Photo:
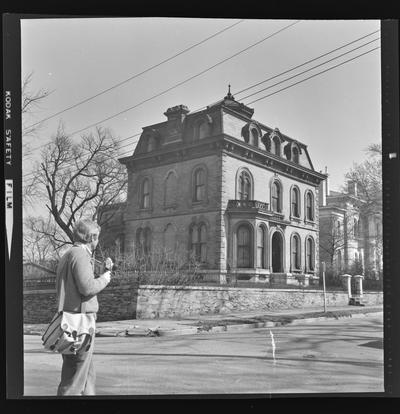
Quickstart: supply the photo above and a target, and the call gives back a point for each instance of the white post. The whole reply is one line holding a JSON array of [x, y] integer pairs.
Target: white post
[[323, 282], [359, 288], [346, 280]]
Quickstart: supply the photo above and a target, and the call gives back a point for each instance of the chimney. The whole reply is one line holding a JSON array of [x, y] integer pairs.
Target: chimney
[[352, 187], [177, 112], [327, 190], [323, 189]]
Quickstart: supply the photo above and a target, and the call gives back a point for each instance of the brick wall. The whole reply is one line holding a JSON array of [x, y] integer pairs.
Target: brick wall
[[39, 306]]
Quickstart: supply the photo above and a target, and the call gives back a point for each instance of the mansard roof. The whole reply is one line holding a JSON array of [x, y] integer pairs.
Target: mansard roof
[[178, 132]]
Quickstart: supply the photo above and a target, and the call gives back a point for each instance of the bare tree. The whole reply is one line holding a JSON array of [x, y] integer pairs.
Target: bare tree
[[42, 242], [331, 240], [368, 176], [78, 179], [31, 101]]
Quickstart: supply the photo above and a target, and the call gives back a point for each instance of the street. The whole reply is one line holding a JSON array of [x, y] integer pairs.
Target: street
[[344, 355]]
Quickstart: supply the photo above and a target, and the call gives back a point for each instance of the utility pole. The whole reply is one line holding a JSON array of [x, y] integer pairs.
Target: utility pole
[[323, 282]]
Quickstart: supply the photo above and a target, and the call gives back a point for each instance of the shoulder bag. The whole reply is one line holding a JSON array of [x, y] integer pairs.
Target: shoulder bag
[[69, 333]]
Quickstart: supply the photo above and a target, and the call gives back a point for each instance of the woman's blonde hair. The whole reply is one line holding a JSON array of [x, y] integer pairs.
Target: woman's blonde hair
[[84, 230]]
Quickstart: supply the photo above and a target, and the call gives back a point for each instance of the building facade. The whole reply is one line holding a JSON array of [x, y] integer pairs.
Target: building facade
[[219, 186], [350, 238]]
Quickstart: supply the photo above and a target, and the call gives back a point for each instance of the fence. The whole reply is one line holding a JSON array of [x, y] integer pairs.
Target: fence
[[373, 285], [202, 279]]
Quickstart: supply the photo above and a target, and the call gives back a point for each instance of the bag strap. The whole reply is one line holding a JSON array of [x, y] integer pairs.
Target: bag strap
[[61, 298]]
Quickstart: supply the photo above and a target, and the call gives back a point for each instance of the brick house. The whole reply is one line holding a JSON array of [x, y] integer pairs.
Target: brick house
[[239, 196]]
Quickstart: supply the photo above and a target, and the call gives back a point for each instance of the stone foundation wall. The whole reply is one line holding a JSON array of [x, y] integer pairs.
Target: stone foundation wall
[[118, 301], [175, 302], [124, 299]]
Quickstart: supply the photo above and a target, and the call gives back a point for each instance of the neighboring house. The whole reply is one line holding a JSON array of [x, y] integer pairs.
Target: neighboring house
[[34, 271], [350, 240], [217, 185]]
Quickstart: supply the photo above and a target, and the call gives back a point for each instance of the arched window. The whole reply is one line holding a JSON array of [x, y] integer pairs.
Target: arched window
[[170, 189], [295, 155], [145, 194], [147, 241], [244, 186], [143, 242], [276, 197], [139, 242], [277, 244], [295, 252], [276, 146], [199, 185], [243, 246], [261, 247], [198, 242], [310, 254], [169, 241], [309, 206], [119, 245], [254, 137], [295, 202]]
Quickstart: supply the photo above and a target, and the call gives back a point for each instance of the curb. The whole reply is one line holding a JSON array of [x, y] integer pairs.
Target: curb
[[237, 327], [157, 332]]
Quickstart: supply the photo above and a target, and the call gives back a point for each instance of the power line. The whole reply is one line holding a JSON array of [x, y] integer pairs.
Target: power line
[[179, 83], [68, 160], [136, 75], [313, 76], [308, 70], [294, 84], [306, 63]]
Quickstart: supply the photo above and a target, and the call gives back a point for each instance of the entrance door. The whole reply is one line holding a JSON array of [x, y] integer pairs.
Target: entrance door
[[277, 252]]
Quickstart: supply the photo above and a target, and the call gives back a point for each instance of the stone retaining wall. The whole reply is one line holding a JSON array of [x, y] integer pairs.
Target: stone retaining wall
[[117, 302], [178, 301], [124, 299]]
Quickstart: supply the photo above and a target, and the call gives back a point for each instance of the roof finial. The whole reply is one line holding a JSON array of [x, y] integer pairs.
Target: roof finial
[[229, 95]]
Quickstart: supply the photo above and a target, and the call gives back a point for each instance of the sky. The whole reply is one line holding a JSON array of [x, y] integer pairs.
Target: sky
[[337, 114]]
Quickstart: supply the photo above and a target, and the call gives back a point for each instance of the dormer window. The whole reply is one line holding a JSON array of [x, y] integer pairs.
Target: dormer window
[[276, 146], [151, 144], [295, 155], [254, 137], [203, 130]]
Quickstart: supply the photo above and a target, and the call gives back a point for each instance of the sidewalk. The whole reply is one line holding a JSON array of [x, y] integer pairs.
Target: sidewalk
[[219, 323]]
